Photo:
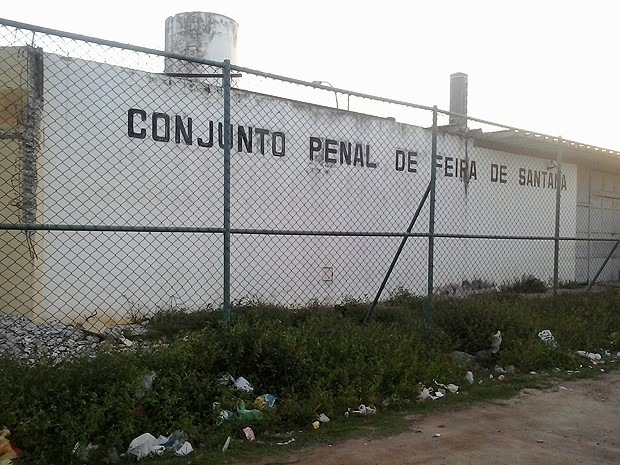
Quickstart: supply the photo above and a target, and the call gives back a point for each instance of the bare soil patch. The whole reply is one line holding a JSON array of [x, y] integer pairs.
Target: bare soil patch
[[570, 423]]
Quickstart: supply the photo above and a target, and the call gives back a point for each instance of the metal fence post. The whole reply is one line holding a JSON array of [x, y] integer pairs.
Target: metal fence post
[[226, 89], [558, 190], [431, 223]]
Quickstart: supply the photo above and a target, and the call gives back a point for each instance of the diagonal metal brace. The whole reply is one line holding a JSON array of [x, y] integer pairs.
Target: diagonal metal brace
[[397, 255], [600, 270]]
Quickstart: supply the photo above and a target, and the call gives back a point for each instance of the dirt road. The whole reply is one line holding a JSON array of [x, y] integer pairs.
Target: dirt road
[[571, 423]]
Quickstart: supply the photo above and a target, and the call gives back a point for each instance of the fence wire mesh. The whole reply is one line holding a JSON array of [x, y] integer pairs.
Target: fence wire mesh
[[114, 189]]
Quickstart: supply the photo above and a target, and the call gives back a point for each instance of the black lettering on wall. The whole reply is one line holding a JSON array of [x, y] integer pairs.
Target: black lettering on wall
[[330, 149], [345, 153], [181, 131], [209, 142], [244, 139], [400, 160], [220, 135], [316, 146], [155, 129], [472, 170], [463, 168], [530, 178], [503, 173], [448, 167], [412, 162], [369, 164], [261, 133], [359, 155], [278, 144], [522, 176], [499, 173], [131, 132]]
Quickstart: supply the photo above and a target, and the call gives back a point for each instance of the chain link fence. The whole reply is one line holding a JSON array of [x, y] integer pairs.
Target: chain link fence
[[135, 180]]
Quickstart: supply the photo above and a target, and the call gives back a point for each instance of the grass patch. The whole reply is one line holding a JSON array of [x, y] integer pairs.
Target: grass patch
[[527, 285], [315, 359]]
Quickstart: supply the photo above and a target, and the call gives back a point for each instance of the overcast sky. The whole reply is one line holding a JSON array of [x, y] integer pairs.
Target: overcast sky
[[548, 66]]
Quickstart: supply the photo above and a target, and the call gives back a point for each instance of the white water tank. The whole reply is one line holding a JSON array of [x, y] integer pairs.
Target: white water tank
[[207, 36]]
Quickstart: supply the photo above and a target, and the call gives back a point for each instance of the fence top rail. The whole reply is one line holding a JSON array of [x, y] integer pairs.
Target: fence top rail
[[472, 133]]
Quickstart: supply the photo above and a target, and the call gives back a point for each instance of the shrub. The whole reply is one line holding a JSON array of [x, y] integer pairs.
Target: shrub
[[309, 357], [528, 285]]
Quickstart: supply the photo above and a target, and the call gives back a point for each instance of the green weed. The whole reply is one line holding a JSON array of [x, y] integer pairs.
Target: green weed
[[315, 360]]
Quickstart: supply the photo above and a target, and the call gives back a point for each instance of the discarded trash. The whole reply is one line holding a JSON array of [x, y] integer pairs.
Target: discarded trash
[[147, 384], [501, 378], [226, 444], [593, 357], [430, 393], [563, 388], [226, 415], [243, 384], [316, 424], [324, 418], [248, 415], [496, 341], [285, 442], [185, 449], [175, 441], [424, 394], [362, 411], [427, 393], [437, 435], [469, 376], [126, 342], [221, 413], [146, 444], [546, 336], [539, 441], [147, 381], [499, 370], [265, 401], [249, 434], [533, 373], [453, 388]]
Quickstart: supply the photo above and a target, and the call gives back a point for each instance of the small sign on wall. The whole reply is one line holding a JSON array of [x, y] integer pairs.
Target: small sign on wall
[[327, 274]]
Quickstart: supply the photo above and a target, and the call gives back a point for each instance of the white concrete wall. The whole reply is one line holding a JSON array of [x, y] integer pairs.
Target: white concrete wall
[[96, 173]]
